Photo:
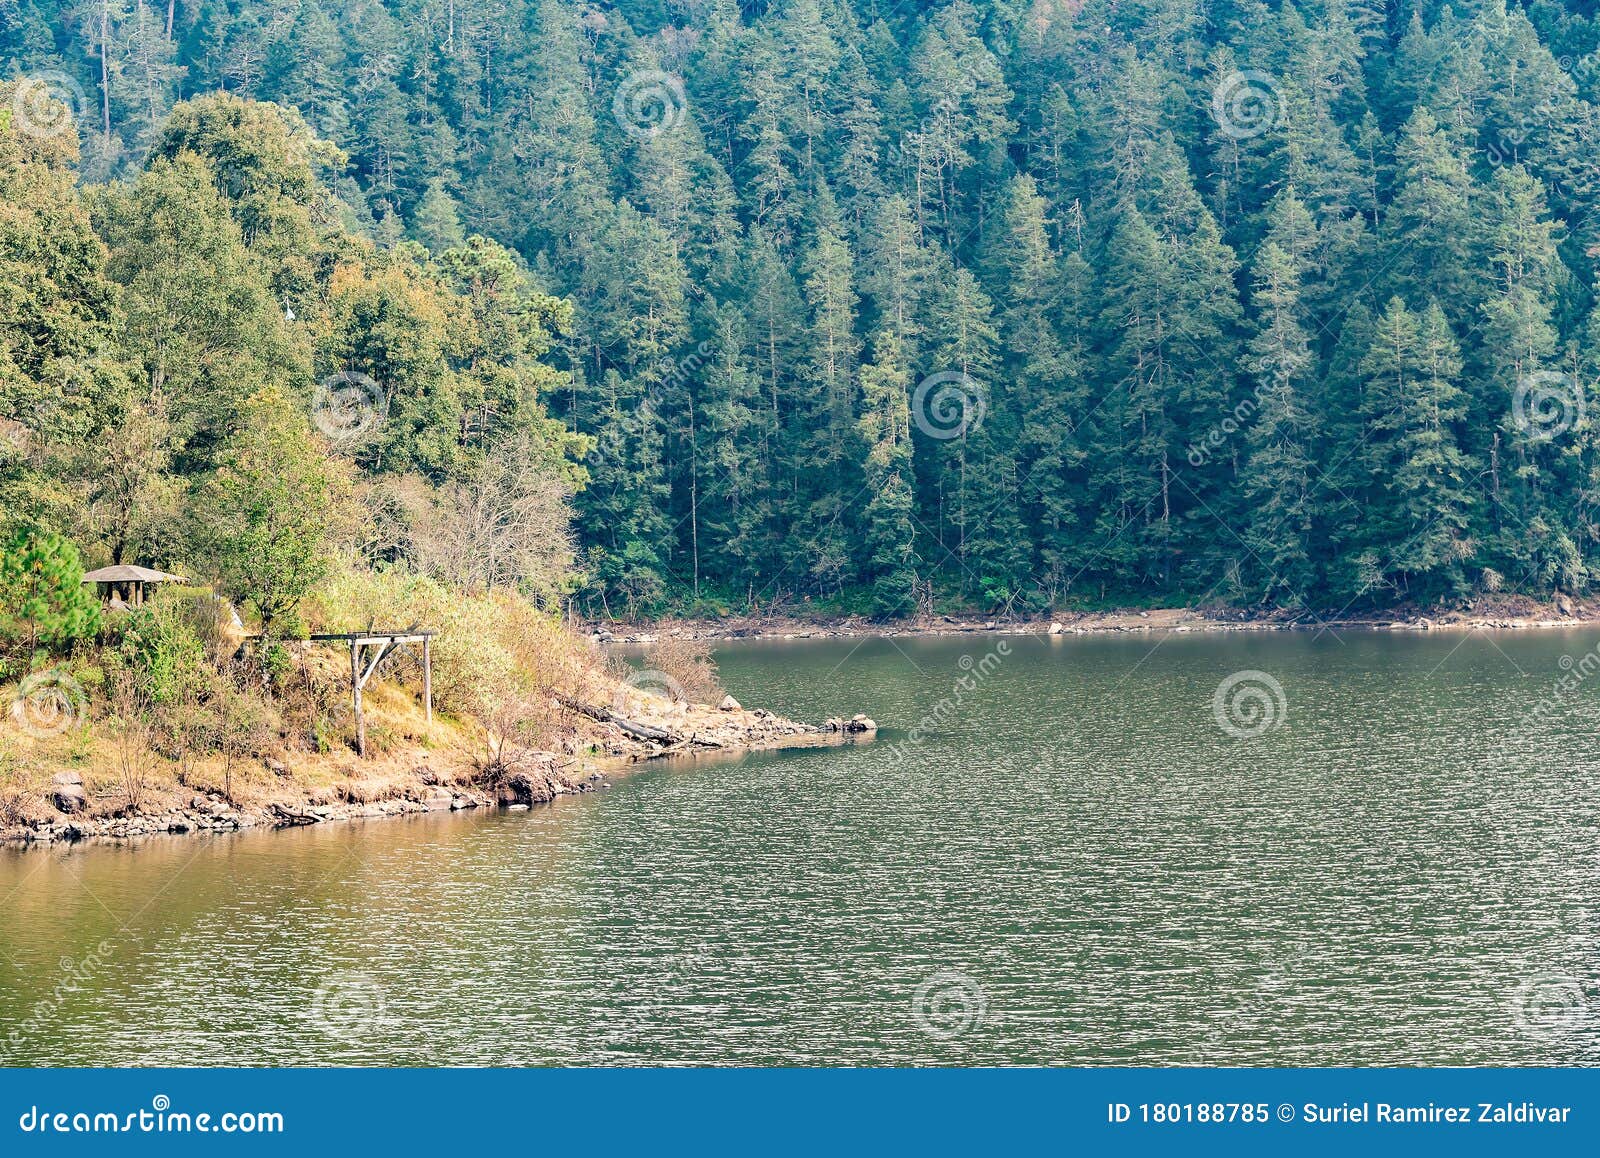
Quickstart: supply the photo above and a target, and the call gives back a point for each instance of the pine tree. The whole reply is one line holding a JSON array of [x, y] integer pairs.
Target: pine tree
[[1280, 481], [1417, 526], [890, 533]]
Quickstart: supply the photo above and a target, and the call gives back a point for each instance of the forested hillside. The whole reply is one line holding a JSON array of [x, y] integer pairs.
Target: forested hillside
[[879, 305]]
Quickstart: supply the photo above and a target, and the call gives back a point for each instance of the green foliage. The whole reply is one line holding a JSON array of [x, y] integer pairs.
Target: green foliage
[[161, 645], [1194, 380], [266, 514], [44, 605]]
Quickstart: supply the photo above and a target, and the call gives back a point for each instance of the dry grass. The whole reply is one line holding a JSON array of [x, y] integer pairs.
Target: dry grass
[[689, 663]]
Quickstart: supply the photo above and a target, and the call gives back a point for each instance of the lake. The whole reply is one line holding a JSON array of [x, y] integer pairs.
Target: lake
[[1239, 849]]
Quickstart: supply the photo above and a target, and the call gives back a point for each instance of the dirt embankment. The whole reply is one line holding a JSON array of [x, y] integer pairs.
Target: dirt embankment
[[93, 796]]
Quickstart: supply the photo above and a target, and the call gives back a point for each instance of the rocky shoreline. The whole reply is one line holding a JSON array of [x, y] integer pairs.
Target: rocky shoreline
[[65, 814], [1503, 615]]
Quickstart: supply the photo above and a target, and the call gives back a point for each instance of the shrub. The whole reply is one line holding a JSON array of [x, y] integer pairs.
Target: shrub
[[689, 662]]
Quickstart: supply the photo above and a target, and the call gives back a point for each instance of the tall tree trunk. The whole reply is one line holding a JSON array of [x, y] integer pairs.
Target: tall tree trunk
[[105, 70]]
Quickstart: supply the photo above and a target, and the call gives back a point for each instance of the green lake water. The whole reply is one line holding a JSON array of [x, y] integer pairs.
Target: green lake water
[[1078, 857]]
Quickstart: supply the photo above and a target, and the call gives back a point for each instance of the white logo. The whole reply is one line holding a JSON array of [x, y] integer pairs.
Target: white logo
[[47, 104], [1548, 1004], [949, 1004], [947, 405], [1249, 703], [1547, 404], [649, 103], [1246, 103], [47, 703], [348, 405], [346, 1005]]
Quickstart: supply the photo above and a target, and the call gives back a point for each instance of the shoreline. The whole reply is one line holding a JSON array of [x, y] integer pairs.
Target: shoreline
[[1508, 615], [689, 732]]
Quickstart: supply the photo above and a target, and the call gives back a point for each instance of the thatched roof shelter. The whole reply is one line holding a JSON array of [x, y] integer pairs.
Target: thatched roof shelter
[[123, 585]]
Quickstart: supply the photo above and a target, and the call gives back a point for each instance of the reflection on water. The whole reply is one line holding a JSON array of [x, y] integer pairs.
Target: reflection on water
[[1068, 860]]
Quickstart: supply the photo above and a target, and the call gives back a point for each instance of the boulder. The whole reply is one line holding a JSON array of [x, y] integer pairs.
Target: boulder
[[437, 800], [728, 704], [1056, 629], [67, 793], [1564, 605], [855, 725]]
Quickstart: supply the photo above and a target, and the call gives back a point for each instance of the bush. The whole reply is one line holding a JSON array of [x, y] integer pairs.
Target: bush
[[689, 662]]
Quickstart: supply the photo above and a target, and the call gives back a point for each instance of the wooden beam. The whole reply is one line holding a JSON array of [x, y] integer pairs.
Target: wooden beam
[[427, 677], [355, 692]]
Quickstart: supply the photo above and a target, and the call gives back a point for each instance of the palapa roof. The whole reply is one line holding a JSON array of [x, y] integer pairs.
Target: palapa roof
[[125, 573]]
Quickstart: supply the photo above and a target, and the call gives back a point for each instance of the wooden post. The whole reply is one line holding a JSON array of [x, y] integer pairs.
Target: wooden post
[[355, 692], [427, 675]]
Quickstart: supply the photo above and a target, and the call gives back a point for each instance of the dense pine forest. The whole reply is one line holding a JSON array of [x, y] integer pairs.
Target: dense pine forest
[[868, 306]]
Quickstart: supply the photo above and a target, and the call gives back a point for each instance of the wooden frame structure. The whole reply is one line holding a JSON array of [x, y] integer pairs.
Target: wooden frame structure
[[363, 665]]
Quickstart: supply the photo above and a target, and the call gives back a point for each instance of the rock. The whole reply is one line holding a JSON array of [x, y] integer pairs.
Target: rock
[[67, 793], [856, 725], [437, 800], [1056, 629], [728, 704], [277, 767], [1564, 605]]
